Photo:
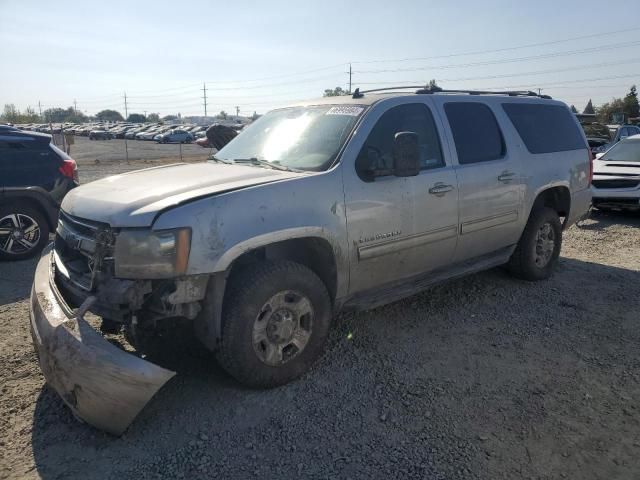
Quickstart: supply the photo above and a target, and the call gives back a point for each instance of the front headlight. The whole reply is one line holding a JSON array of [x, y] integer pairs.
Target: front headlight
[[145, 254]]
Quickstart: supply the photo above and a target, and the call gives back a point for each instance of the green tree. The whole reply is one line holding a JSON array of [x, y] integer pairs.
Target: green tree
[[336, 92], [223, 114], [57, 114], [153, 117], [109, 116], [630, 107], [604, 113], [10, 113], [432, 85], [169, 118], [589, 109], [136, 118], [574, 109]]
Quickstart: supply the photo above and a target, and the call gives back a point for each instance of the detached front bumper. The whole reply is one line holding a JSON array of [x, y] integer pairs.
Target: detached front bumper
[[102, 384]]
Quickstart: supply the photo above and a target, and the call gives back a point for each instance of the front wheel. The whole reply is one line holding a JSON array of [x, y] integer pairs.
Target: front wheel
[[538, 250], [276, 318]]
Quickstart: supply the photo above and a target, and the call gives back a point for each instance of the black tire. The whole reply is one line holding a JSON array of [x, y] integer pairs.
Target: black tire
[[527, 262], [249, 292], [39, 243]]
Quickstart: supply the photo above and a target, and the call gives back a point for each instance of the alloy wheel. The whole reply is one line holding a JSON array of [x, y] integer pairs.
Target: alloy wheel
[[19, 233], [545, 245]]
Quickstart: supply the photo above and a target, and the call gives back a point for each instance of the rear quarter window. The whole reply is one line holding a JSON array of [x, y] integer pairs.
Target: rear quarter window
[[545, 128]]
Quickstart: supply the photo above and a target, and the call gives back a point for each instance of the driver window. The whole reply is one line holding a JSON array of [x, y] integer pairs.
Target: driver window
[[376, 158]]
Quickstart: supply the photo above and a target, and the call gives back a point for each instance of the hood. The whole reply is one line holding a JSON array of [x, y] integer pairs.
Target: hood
[[133, 199], [616, 167]]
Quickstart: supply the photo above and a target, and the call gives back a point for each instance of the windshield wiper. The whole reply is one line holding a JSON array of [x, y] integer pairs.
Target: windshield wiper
[[219, 160], [263, 163]]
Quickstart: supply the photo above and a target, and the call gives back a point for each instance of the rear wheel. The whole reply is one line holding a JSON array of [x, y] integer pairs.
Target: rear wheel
[[276, 320], [23, 232], [538, 250]]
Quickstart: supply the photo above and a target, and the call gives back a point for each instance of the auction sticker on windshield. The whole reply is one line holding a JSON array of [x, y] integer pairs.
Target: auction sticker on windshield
[[350, 110]]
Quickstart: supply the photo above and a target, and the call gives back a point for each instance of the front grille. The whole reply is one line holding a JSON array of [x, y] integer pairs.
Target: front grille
[[619, 183], [81, 246]]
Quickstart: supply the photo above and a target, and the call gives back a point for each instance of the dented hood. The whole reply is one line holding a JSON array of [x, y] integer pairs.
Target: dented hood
[[133, 199]]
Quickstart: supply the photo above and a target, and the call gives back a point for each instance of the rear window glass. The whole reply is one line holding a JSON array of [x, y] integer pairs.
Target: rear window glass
[[545, 128], [475, 132]]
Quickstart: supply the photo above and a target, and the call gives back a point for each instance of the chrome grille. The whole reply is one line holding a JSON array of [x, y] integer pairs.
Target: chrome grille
[[79, 246]]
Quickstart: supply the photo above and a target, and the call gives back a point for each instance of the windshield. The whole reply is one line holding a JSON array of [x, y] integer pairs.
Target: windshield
[[625, 151], [305, 138]]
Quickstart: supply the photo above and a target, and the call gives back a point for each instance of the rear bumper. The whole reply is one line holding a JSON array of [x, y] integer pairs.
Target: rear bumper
[[101, 384]]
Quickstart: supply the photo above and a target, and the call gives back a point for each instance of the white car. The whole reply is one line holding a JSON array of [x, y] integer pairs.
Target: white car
[[616, 176]]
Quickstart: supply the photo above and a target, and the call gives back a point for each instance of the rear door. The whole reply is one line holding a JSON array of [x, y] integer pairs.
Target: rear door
[[28, 162], [489, 178]]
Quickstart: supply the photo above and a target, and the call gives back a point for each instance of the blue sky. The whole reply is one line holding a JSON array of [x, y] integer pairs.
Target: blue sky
[[259, 55]]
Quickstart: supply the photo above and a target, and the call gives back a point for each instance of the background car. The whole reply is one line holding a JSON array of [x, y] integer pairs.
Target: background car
[[622, 132], [616, 176], [174, 136], [100, 134], [34, 177]]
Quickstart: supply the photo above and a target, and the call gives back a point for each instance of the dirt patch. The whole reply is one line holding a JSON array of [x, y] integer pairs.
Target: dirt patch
[[484, 377]]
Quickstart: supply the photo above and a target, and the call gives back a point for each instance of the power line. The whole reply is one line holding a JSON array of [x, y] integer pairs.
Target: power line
[[508, 60], [507, 75], [504, 49]]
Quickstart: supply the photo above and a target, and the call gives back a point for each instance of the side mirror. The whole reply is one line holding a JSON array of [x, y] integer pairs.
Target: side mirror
[[406, 154]]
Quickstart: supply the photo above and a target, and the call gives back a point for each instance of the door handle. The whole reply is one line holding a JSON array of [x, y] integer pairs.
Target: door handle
[[440, 189], [506, 176]]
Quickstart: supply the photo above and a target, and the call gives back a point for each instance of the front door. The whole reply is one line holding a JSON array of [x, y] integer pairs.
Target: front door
[[399, 227]]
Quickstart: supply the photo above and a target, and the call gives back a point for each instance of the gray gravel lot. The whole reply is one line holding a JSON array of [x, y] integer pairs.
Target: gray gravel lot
[[484, 377], [86, 151]]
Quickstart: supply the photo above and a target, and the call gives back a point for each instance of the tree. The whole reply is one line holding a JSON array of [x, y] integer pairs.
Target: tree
[[574, 109], [336, 92], [255, 116], [136, 118], [432, 85], [12, 115], [109, 116], [630, 107], [588, 110], [57, 114], [604, 113], [153, 117], [223, 114], [169, 118]]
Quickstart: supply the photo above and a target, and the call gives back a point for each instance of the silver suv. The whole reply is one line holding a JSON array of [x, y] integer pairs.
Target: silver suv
[[343, 202]]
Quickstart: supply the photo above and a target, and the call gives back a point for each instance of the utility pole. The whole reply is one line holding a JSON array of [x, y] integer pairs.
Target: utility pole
[[349, 77], [204, 96], [145, 114], [75, 107], [237, 111], [539, 90], [40, 109], [126, 112]]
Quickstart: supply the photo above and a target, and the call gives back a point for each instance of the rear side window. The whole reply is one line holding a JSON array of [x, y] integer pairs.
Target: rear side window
[[475, 132], [545, 128]]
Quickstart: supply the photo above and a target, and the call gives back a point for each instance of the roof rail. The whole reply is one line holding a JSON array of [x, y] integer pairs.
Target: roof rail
[[431, 90]]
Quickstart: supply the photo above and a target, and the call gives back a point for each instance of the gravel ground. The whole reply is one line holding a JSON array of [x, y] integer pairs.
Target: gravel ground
[[484, 377]]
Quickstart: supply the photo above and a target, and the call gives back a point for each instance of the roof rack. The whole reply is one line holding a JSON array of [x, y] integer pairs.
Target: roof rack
[[422, 90]]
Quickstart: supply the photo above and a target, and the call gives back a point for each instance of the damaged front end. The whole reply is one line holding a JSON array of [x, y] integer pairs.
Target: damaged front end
[[102, 384]]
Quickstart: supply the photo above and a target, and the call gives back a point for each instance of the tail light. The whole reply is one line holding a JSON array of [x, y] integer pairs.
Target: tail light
[[69, 169], [590, 166]]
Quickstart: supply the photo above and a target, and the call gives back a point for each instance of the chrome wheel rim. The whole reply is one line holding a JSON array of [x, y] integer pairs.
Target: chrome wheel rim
[[283, 327], [19, 233], [545, 245]]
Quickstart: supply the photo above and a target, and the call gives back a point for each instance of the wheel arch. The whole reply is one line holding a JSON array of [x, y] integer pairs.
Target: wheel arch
[[557, 197], [309, 247], [34, 200]]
